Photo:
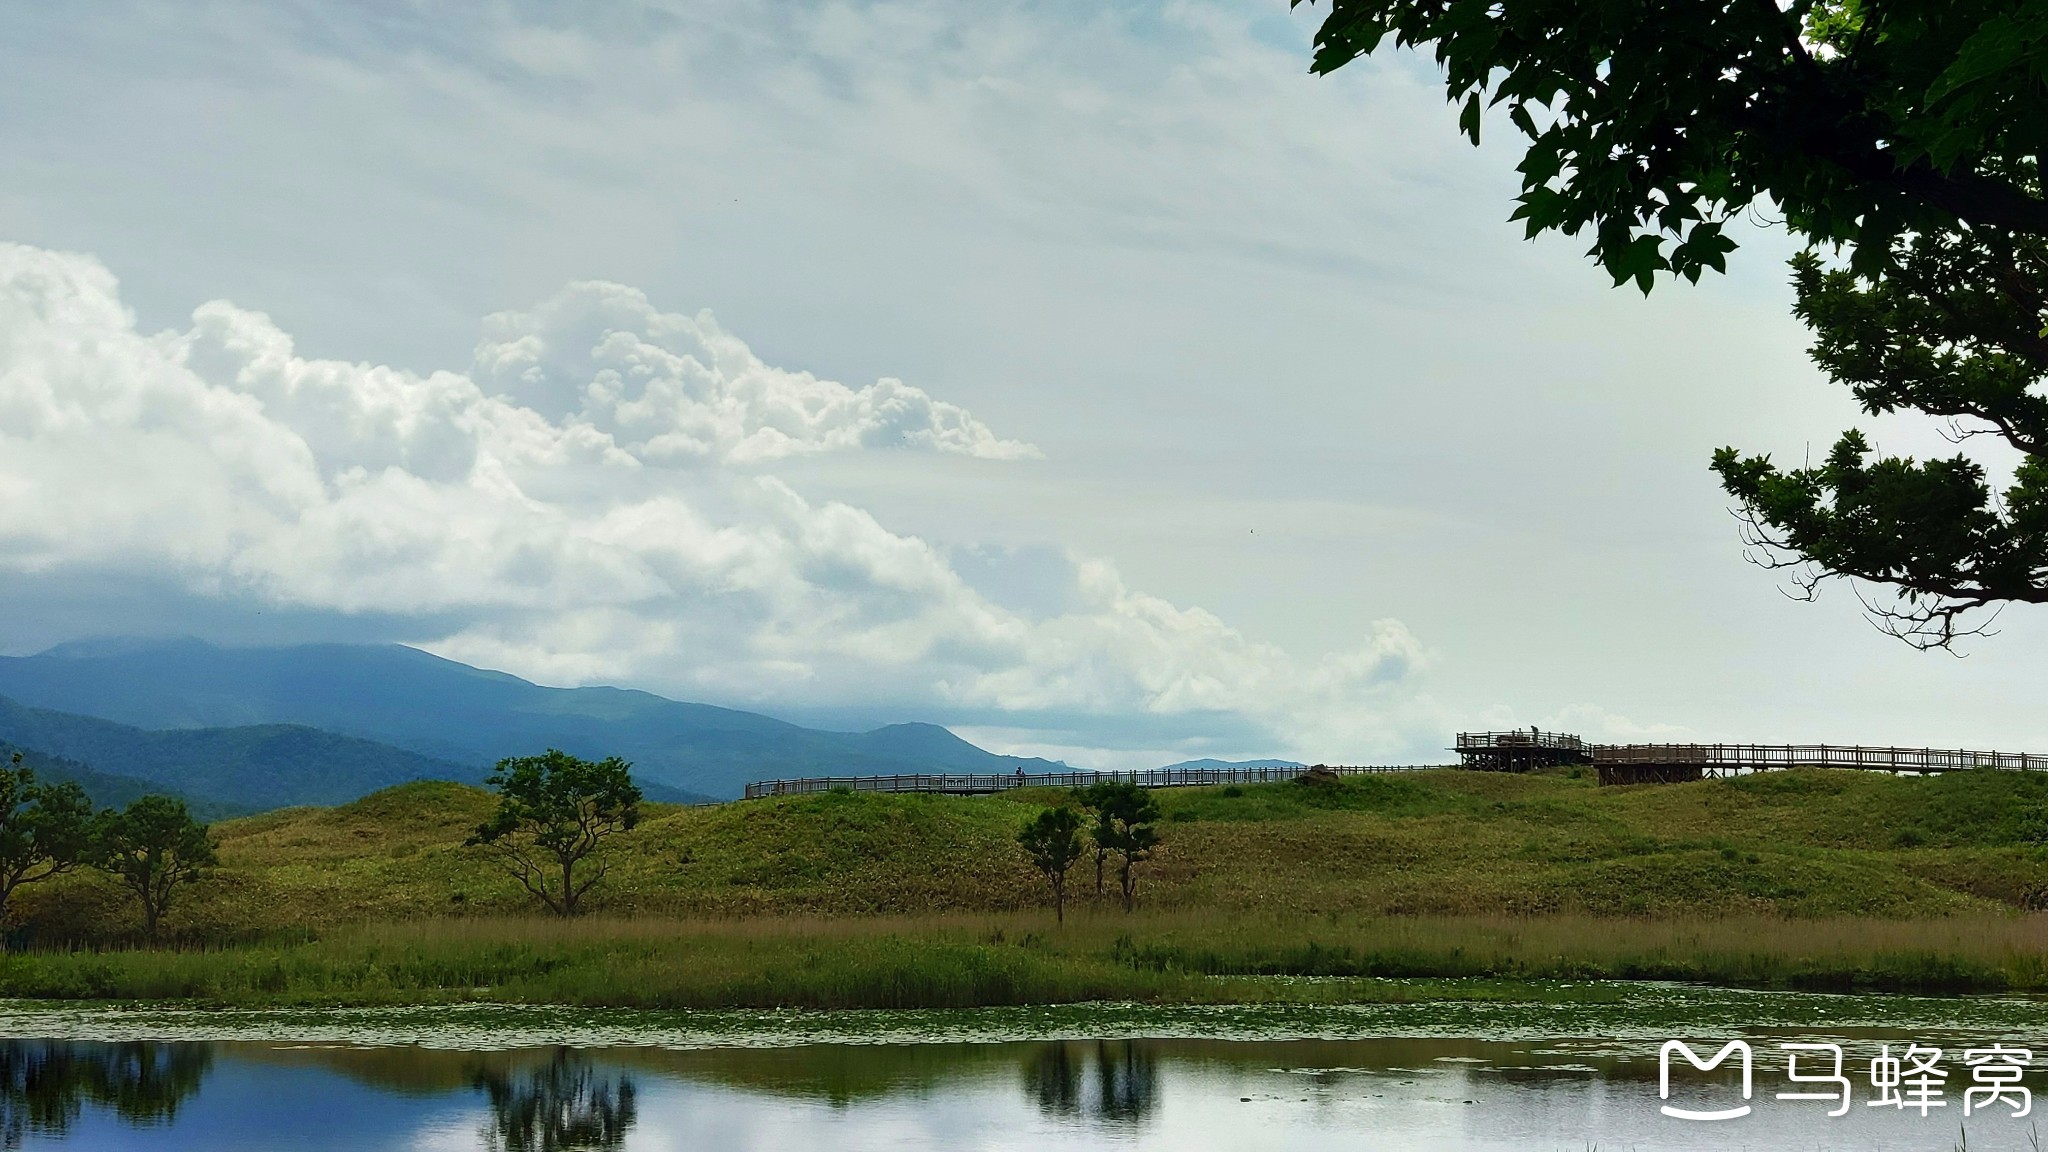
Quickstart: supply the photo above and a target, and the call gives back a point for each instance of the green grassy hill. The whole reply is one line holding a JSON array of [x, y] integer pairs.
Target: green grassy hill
[[1801, 844], [1807, 879]]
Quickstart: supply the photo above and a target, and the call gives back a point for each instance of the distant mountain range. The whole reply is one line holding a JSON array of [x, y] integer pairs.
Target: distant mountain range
[[325, 723], [107, 789], [253, 768], [1197, 765]]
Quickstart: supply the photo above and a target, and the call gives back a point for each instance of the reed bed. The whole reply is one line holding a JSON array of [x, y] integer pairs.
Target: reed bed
[[957, 961]]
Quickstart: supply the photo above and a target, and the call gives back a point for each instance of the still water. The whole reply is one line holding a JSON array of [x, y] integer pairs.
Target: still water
[[1403, 1077]]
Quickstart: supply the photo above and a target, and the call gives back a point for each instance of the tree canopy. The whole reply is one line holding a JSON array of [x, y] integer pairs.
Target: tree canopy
[[554, 812], [1126, 819], [153, 846], [1907, 134], [1053, 842], [1653, 122], [45, 828]]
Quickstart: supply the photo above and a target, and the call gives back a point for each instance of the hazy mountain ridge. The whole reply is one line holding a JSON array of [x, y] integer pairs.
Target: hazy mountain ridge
[[1192, 765], [250, 768], [107, 789], [447, 712]]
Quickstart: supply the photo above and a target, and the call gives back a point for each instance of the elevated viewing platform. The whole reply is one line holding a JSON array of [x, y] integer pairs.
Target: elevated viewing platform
[[1520, 750]]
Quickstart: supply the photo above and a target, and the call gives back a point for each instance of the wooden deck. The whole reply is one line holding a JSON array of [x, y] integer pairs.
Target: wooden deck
[[1520, 750], [983, 784]]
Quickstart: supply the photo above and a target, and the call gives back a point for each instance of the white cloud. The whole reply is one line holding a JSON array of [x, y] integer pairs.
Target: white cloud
[[1127, 651], [592, 502], [681, 389]]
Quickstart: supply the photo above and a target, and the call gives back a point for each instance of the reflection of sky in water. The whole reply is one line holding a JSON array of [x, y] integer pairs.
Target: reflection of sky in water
[[258, 1107], [1179, 1095]]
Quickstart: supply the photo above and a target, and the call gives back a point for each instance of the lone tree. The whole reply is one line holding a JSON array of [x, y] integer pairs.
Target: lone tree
[[1909, 133], [153, 846], [44, 828], [554, 812], [1091, 799], [1124, 819], [1053, 841]]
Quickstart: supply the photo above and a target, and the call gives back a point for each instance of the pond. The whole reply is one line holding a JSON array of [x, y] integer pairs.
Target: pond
[[1569, 1075]]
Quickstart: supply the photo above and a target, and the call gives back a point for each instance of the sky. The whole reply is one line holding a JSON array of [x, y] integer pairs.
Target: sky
[[1086, 377]]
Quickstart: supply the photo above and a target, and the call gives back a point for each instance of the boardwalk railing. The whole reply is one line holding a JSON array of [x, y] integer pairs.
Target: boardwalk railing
[[979, 783], [1730, 759]]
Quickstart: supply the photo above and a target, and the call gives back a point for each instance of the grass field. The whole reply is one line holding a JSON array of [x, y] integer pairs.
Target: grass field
[[1800, 879], [1024, 958]]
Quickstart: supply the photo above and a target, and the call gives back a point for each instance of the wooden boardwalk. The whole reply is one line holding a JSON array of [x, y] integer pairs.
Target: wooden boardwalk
[[1736, 759], [1526, 749], [1494, 751], [977, 784]]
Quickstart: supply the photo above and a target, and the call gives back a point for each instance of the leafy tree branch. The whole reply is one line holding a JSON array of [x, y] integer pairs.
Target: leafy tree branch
[[1908, 132]]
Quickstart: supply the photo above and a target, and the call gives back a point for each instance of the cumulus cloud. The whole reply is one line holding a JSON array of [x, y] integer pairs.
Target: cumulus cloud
[[676, 388], [592, 501]]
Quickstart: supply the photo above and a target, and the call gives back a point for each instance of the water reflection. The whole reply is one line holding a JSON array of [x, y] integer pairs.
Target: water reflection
[[1124, 1075], [1127, 1080], [45, 1085], [1066, 1096], [565, 1105], [1053, 1075]]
